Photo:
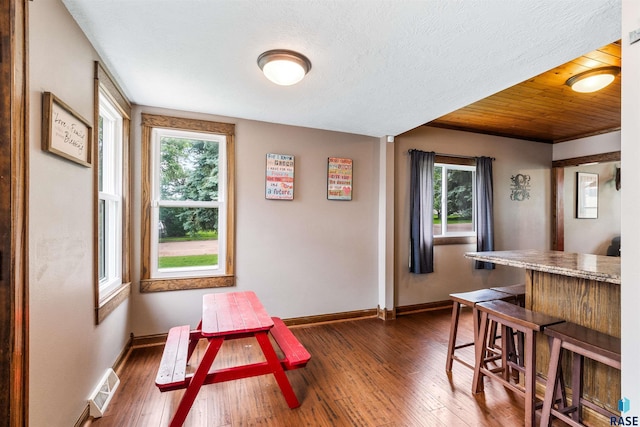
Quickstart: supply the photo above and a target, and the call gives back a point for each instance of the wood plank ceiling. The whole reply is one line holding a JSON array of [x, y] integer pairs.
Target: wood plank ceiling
[[544, 108]]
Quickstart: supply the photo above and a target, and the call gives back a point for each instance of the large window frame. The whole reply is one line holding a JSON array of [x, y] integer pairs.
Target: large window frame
[[456, 163], [151, 279], [112, 187], [109, 197]]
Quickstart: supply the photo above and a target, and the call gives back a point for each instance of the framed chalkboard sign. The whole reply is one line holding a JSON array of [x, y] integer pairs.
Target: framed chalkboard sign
[[65, 132]]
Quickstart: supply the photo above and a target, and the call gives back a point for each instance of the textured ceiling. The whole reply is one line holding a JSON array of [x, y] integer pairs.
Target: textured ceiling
[[379, 67]]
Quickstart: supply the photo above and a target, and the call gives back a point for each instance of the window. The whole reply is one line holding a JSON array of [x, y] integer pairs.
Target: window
[[188, 209], [111, 177], [187, 198], [453, 202], [109, 197]]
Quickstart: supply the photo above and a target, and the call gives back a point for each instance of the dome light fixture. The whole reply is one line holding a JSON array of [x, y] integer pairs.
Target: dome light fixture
[[284, 67], [593, 80]]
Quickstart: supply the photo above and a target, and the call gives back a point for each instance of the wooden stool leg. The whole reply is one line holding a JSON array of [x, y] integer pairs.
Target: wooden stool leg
[[530, 380], [453, 334], [576, 386], [550, 392], [506, 351], [481, 343], [520, 352], [515, 355]]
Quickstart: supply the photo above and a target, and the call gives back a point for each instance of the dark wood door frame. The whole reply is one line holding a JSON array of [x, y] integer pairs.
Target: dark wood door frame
[[557, 191], [13, 218]]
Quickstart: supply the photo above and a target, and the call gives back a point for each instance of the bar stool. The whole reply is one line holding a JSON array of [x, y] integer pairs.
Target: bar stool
[[518, 291], [518, 319], [583, 342], [469, 299]]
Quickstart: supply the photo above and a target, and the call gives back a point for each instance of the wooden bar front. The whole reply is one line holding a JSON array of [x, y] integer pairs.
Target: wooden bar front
[[590, 303], [579, 288]]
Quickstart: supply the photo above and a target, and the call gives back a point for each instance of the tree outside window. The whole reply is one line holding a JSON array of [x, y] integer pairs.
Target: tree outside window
[[453, 200], [188, 195]]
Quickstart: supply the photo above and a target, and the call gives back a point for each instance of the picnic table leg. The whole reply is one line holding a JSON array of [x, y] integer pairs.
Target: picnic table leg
[[196, 382], [193, 339], [278, 371]]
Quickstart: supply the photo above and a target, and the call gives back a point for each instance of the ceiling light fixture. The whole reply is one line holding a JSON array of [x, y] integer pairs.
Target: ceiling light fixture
[[593, 80], [284, 67]]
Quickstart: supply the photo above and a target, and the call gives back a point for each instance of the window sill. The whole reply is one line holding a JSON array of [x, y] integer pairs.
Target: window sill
[[111, 302], [175, 284], [454, 240]]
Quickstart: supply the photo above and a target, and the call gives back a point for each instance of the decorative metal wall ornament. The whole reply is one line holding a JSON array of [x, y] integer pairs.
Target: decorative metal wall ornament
[[520, 185]]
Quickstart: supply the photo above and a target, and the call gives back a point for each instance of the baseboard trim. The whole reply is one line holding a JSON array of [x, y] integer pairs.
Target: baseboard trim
[[333, 317], [148, 340], [85, 418], [384, 314], [428, 306]]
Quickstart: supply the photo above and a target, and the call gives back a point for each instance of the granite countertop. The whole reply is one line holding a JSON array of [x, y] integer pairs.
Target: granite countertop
[[593, 267]]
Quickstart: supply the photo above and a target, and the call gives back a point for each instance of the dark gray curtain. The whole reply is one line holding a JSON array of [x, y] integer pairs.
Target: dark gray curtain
[[421, 206], [484, 209]]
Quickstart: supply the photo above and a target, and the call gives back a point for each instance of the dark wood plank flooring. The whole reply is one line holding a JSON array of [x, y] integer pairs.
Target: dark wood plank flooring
[[362, 373]]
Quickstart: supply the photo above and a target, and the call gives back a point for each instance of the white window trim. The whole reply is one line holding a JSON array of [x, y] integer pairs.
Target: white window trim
[[445, 233], [111, 194], [220, 270]]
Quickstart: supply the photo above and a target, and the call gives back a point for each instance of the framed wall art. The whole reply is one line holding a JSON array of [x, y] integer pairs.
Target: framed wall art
[[279, 177], [339, 178], [587, 195], [65, 132]]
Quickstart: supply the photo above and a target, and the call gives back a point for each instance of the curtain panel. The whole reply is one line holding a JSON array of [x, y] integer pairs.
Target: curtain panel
[[421, 207], [484, 209]]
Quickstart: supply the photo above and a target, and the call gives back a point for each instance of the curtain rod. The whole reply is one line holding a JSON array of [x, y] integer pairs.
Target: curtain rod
[[450, 155]]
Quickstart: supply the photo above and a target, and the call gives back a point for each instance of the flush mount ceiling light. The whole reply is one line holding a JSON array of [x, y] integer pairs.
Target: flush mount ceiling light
[[284, 67], [593, 80]]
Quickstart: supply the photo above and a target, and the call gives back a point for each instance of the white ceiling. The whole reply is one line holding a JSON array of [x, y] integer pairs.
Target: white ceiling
[[378, 67]]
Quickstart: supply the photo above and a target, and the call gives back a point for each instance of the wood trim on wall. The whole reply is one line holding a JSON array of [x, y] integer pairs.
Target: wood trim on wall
[[557, 216], [557, 190], [14, 143], [181, 283], [104, 305], [148, 284], [613, 156]]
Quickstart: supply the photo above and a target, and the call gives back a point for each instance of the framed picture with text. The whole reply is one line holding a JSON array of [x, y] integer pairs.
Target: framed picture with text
[[339, 178], [279, 177], [65, 132]]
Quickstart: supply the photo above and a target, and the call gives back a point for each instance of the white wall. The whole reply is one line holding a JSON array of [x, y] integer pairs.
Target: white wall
[[598, 144], [630, 207], [304, 257], [67, 353], [518, 224], [592, 236]]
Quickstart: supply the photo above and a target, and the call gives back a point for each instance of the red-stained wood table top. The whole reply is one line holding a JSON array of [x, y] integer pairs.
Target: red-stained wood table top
[[232, 313]]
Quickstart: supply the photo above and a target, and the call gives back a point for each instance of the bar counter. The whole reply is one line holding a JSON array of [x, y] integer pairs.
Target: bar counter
[[585, 266], [579, 288]]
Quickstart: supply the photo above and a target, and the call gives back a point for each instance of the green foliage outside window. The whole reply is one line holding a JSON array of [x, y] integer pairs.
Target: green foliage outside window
[[189, 171]]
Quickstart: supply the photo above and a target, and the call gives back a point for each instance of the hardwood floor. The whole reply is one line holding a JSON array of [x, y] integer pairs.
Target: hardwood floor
[[362, 373]]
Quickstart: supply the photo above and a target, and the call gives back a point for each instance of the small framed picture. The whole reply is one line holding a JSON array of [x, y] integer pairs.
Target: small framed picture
[[65, 132], [339, 178], [587, 195], [279, 177]]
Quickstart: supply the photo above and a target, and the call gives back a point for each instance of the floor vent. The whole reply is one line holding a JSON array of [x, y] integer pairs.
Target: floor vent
[[103, 393]]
